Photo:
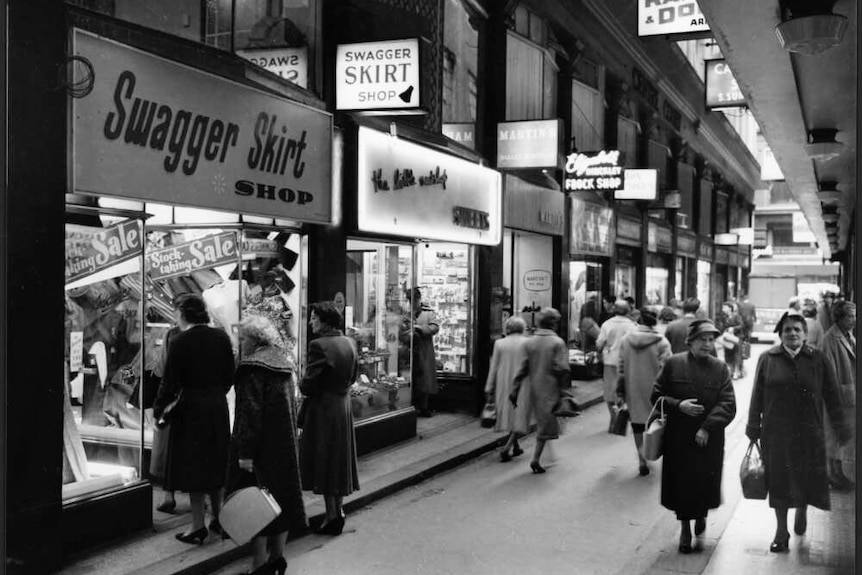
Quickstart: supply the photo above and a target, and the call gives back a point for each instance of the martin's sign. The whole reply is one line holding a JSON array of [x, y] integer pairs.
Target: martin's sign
[[90, 250], [594, 172], [532, 144], [377, 75], [155, 130], [200, 254], [656, 17], [722, 91]]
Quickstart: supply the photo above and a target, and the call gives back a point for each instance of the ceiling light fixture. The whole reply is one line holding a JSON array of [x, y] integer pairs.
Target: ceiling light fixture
[[828, 192], [822, 144], [810, 28]]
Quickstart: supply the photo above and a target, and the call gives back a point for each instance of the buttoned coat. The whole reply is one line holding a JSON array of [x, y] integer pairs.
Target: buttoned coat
[[691, 475], [840, 349], [425, 327], [786, 414], [506, 359], [327, 446], [544, 370]]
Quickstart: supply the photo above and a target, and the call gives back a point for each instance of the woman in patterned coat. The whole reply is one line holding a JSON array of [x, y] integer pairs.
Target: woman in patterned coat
[[264, 446]]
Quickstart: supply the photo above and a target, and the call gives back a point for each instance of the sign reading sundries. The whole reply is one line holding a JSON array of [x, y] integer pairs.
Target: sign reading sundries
[[594, 172]]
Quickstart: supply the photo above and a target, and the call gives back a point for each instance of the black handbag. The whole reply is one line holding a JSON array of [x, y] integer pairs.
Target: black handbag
[[489, 415], [620, 424], [170, 410], [752, 473]]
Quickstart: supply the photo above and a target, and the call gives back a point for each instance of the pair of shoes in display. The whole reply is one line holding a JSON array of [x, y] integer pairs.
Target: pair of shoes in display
[[534, 465], [198, 536], [780, 544], [333, 527], [167, 506]]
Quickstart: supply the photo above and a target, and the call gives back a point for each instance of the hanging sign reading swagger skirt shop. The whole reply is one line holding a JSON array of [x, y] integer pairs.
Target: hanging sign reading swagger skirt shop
[[155, 130], [412, 191]]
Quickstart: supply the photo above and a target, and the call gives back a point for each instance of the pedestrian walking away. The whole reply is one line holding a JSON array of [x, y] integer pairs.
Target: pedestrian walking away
[[677, 330], [544, 370], [642, 355], [700, 403], [506, 359], [198, 372], [264, 446], [839, 346], [611, 333], [793, 384], [327, 447]]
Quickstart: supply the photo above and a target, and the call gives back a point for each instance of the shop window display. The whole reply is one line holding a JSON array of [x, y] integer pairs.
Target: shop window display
[[444, 272], [625, 280], [377, 316], [656, 287]]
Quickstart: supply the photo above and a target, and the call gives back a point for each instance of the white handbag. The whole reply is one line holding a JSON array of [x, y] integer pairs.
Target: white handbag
[[246, 512], [653, 446]]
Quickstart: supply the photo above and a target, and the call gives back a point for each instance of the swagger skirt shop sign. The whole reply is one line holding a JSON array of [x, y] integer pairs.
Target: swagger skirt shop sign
[[155, 130]]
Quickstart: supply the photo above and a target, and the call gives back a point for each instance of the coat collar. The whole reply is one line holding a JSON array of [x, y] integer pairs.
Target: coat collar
[[806, 350]]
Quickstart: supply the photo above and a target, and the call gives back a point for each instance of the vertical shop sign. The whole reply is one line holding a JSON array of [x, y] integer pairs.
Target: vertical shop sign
[[377, 75], [183, 259], [90, 250], [152, 129]]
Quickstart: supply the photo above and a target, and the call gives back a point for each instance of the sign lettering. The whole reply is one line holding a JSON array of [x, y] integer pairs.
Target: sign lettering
[[670, 17], [377, 75], [182, 259], [289, 63], [599, 172], [722, 91], [90, 250]]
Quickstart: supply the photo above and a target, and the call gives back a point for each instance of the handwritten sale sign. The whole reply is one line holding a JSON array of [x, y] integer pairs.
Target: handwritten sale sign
[[200, 254]]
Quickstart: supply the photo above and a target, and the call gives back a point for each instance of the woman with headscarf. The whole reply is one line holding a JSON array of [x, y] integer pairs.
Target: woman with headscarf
[[793, 385], [642, 354], [699, 402], [264, 446], [506, 359], [545, 368]]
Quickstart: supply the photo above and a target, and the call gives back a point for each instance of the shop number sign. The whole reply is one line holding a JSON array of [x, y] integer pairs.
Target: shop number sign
[[89, 251], [537, 280], [594, 172], [183, 259], [155, 130]]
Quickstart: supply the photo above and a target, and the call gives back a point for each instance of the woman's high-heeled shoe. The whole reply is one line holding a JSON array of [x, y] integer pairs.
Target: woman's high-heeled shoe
[[167, 506], [278, 566], [516, 450], [780, 545], [333, 527], [534, 465], [194, 537]]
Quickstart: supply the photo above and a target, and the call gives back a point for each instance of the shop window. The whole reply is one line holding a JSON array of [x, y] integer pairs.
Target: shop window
[[588, 125], [445, 277], [531, 80], [656, 287], [377, 316], [104, 355], [625, 280], [460, 63], [586, 297]]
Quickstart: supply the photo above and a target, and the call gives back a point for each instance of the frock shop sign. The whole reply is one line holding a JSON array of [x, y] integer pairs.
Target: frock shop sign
[[155, 130]]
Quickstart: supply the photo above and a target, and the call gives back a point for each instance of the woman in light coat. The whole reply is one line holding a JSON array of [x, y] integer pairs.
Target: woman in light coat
[[611, 333], [545, 367], [506, 359], [642, 354]]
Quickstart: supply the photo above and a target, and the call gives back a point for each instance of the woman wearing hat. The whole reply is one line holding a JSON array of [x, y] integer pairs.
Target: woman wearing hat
[[699, 402], [792, 384]]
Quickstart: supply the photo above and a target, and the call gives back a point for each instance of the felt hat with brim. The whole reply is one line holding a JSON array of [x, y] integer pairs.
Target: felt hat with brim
[[790, 314], [700, 327]]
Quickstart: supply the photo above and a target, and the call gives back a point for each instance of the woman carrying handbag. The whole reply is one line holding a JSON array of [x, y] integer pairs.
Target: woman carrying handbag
[[263, 449]]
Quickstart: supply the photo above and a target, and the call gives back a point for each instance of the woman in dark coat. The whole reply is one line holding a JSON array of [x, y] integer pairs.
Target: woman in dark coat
[[792, 384], [263, 447], [327, 447], [200, 365], [699, 402]]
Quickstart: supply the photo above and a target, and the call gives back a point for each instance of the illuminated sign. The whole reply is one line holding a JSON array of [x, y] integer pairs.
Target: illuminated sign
[[533, 144], [594, 172], [155, 130], [464, 134], [638, 185], [722, 91], [377, 75], [657, 17], [289, 63], [412, 191]]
